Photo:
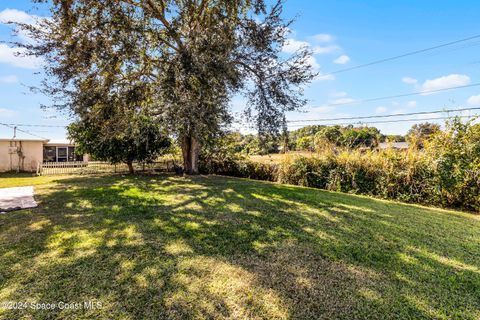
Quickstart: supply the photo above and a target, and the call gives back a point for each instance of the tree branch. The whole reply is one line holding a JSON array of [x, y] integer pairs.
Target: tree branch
[[160, 15]]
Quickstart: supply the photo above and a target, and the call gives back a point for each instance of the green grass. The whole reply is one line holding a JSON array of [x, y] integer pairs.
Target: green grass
[[167, 247]]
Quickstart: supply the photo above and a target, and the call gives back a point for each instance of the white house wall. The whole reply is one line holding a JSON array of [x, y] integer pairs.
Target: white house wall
[[26, 160]]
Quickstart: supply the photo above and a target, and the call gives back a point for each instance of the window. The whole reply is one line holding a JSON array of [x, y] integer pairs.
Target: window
[[71, 153], [62, 154], [49, 154], [72, 156]]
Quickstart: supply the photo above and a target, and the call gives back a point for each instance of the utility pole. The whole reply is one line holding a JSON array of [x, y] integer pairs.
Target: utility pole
[[14, 132]]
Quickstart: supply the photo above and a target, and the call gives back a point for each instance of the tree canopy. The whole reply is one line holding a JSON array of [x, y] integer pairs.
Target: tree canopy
[[422, 132], [182, 61], [116, 135]]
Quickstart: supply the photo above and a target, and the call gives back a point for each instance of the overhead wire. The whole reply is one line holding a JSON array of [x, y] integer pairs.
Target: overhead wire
[[386, 115], [411, 53], [23, 131], [390, 121], [424, 92]]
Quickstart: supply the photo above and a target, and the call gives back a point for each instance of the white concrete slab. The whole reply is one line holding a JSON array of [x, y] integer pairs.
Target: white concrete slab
[[16, 198]]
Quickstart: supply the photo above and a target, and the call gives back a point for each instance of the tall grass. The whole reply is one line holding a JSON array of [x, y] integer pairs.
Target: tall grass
[[409, 176], [390, 174], [445, 173]]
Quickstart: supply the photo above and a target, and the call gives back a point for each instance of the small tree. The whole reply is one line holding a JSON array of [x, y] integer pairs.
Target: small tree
[[118, 138], [331, 135], [360, 137], [422, 132], [305, 143]]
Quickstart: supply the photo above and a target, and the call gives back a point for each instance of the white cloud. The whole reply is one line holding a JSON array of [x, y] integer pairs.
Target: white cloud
[[445, 82], [9, 79], [474, 100], [17, 16], [325, 49], [323, 37], [13, 56], [313, 63], [310, 60], [7, 113], [381, 110], [292, 45], [409, 80], [412, 104], [343, 101], [343, 59]]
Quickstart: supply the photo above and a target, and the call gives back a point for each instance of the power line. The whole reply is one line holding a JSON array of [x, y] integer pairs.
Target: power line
[[385, 116], [402, 95], [34, 125], [24, 131], [401, 56], [292, 121], [390, 121]]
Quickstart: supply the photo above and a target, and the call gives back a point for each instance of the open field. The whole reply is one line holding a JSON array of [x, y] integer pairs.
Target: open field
[[168, 247]]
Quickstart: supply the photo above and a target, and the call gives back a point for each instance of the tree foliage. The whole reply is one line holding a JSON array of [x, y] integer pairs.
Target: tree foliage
[[348, 137], [422, 132], [455, 152], [184, 60], [115, 137]]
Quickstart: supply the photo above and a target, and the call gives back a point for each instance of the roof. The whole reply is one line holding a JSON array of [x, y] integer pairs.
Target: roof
[[394, 145], [60, 142], [25, 140]]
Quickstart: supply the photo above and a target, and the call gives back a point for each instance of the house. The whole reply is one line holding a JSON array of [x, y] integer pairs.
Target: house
[[393, 145], [26, 154]]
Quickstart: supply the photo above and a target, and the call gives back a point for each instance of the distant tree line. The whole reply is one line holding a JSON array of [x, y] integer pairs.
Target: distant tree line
[[317, 137]]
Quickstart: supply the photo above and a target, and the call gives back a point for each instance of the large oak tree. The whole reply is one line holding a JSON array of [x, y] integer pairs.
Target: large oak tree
[[188, 57]]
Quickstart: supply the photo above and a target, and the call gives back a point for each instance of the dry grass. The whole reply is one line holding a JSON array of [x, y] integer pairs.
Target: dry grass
[[279, 157]]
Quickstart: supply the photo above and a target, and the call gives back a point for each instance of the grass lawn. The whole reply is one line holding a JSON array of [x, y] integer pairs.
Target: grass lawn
[[167, 247]]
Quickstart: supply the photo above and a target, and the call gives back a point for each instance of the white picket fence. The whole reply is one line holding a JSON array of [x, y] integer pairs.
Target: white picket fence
[[94, 167]]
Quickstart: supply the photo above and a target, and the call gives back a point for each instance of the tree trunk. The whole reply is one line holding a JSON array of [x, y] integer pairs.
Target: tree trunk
[[190, 152], [130, 167]]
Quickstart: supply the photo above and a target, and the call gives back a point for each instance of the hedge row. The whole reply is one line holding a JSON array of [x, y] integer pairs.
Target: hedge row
[[410, 176]]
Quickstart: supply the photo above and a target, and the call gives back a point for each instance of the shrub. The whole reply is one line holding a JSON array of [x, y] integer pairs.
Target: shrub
[[456, 155], [241, 168], [446, 172]]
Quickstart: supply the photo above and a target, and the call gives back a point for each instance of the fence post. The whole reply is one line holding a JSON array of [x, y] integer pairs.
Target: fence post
[[38, 168]]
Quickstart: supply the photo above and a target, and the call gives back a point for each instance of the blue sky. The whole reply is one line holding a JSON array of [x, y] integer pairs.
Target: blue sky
[[342, 34]]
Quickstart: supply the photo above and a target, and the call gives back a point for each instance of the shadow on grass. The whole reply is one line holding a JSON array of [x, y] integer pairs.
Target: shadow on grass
[[211, 247]]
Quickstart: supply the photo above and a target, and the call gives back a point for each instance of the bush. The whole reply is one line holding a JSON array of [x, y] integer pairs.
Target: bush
[[455, 153], [240, 168], [446, 172], [387, 174]]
